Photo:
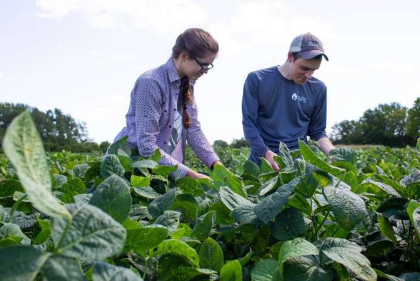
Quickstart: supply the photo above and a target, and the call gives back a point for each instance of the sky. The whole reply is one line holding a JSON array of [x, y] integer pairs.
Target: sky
[[84, 56]]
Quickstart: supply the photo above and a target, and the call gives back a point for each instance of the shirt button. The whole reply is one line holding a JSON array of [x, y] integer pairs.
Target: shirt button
[[166, 111], [170, 126], [174, 109]]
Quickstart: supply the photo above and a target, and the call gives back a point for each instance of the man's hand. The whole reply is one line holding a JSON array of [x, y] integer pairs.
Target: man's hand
[[325, 145], [269, 157], [195, 175]]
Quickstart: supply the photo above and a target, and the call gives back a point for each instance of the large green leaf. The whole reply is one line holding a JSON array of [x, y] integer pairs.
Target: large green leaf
[[20, 263], [120, 144], [22, 145], [141, 239], [137, 181], [177, 247], [306, 268], [211, 255], [266, 270], [162, 203], [231, 199], [296, 248], [92, 234], [269, 185], [187, 205], [413, 210], [343, 154], [349, 255], [288, 225], [59, 267], [250, 167], [312, 158], [386, 228], [177, 268], [349, 209], [10, 229], [190, 186], [169, 219], [223, 177], [146, 192], [378, 188], [269, 208], [231, 271], [203, 225], [113, 197], [104, 272], [111, 166]]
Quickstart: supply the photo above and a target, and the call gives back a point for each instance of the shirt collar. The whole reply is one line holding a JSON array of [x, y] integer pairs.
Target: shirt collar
[[172, 71]]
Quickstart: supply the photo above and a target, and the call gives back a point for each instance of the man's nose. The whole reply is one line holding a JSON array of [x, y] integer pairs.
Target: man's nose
[[309, 74]]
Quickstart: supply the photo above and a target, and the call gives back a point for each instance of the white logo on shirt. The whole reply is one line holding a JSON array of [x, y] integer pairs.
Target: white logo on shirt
[[299, 98]]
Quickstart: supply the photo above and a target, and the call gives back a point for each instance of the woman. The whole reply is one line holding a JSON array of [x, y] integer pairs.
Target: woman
[[163, 113]]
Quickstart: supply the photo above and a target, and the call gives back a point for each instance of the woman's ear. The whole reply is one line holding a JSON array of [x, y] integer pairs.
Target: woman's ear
[[183, 56]]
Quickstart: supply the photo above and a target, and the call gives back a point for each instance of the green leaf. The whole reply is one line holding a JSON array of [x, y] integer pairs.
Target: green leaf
[[13, 230], [120, 144], [306, 268], [20, 263], [105, 272], [288, 225], [203, 226], [177, 268], [349, 209], [269, 186], [111, 166], [142, 239], [92, 234], [266, 270], [250, 167], [23, 147], [312, 158], [245, 214], [269, 208], [386, 228], [149, 164], [113, 197], [413, 210], [284, 159], [169, 219], [231, 271], [80, 170], [164, 171], [296, 248], [178, 248], [137, 181], [323, 178], [161, 204], [343, 154], [156, 156], [190, 186], [187, 205], [211, 255], [418, 144], [231, 199], [223, 177], [348, 254], [244, 260], [378, 188], [146, 192], [60, 267], [265, 166]]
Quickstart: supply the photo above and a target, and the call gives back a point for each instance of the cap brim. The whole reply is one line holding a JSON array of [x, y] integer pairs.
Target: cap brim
[[307, 55]]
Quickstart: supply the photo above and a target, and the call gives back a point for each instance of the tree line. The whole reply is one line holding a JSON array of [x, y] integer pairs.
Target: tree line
[[387, 124], [58, 131]]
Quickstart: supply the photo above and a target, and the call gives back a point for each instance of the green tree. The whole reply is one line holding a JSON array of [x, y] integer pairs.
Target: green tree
[[413, 122]]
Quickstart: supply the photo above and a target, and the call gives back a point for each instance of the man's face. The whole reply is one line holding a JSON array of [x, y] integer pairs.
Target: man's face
[[301, 69]]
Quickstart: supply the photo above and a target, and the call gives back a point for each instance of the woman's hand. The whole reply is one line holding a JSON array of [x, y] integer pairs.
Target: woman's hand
[[195, 175]]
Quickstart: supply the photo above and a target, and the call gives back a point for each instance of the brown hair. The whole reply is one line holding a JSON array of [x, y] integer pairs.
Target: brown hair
[[197, 43]]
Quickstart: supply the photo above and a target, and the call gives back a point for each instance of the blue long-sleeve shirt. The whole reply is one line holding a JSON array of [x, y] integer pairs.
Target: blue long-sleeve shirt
[[276, 109]]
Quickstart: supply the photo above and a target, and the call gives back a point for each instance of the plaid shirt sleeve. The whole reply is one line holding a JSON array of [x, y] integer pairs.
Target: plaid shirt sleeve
[[198, 141], [148, 99]]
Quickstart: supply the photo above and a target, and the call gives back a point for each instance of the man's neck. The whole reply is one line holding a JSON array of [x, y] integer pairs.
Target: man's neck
[[284, 70]]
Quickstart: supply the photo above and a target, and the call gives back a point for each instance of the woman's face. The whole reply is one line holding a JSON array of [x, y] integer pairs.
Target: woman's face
[[194, 68]]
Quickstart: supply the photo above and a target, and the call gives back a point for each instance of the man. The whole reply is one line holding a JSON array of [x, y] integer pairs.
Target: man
[[285, 103]]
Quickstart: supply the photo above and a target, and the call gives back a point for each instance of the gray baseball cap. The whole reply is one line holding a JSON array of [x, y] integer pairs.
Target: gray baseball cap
[[308, 46]]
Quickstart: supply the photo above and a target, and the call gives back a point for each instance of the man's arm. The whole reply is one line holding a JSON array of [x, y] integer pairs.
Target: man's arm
[[325, 145]]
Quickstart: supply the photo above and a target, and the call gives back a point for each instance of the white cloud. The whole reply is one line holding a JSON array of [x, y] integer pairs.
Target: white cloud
[[398, 67], [162, 16]]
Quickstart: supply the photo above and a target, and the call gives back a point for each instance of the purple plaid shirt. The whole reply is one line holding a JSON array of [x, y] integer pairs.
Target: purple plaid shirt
[[150, 119]]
